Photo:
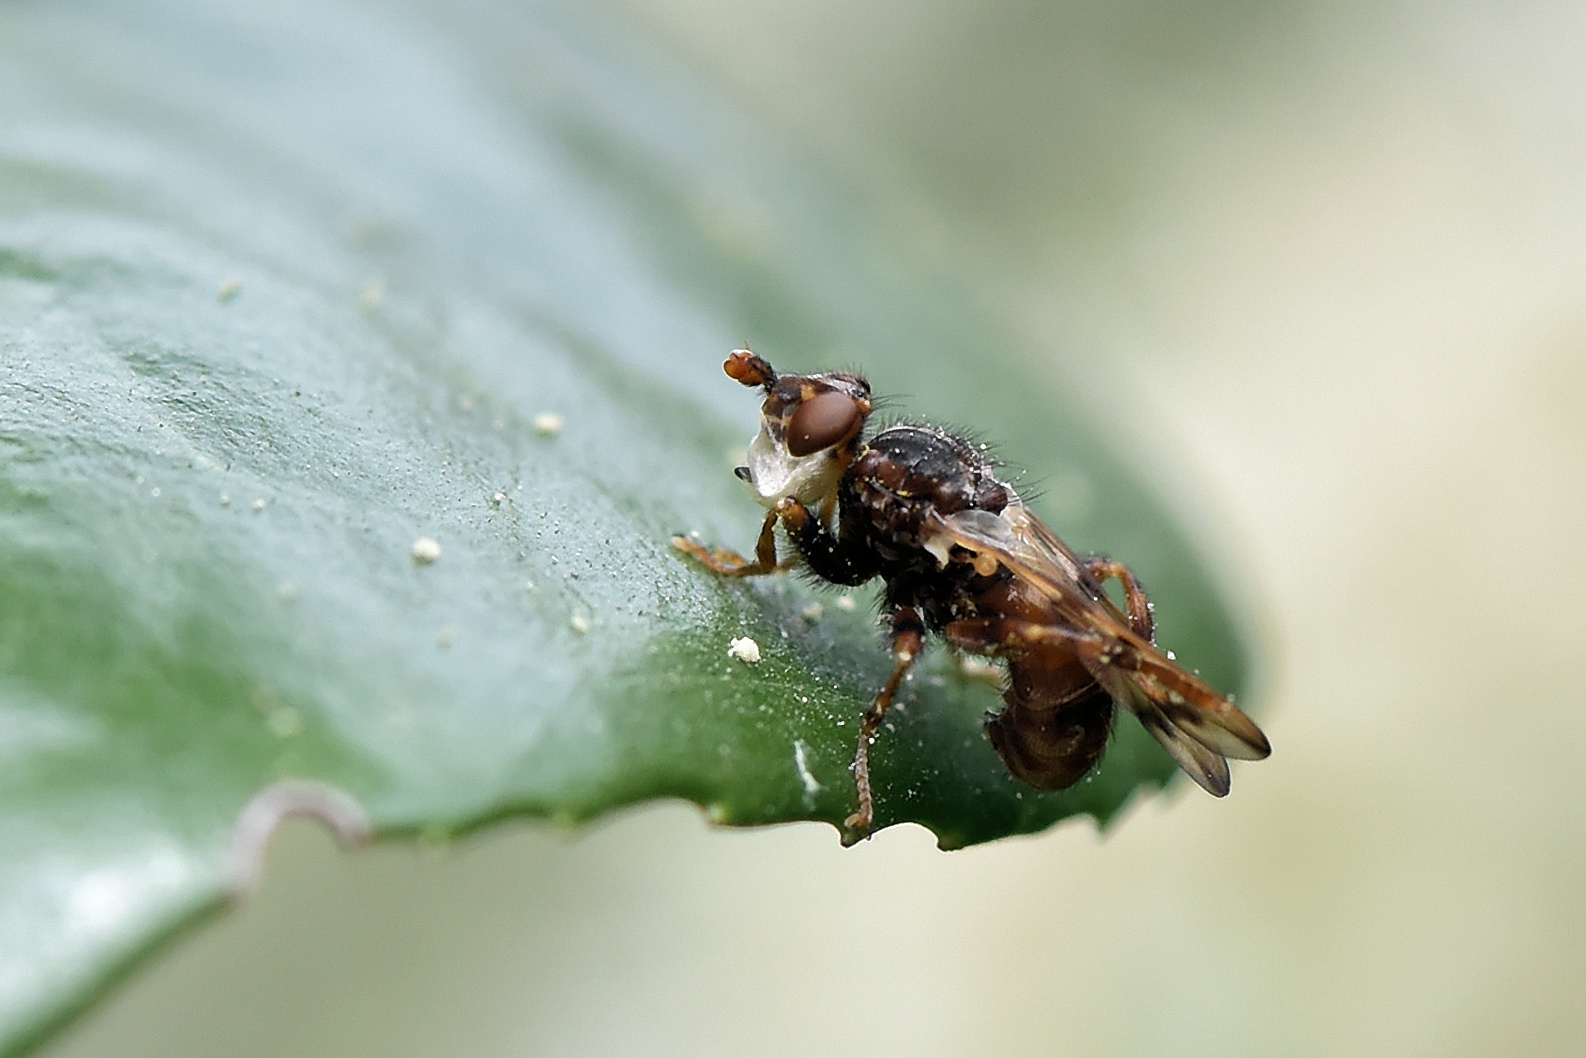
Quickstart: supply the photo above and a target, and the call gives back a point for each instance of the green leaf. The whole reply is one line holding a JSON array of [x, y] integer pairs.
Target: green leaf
[[281, 296]]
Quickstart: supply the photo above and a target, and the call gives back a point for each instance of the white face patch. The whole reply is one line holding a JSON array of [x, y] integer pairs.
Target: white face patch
[[775, 473]]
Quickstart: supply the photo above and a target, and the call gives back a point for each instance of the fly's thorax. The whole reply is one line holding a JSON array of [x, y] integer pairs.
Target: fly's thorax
[[907, 473], [923, 464]]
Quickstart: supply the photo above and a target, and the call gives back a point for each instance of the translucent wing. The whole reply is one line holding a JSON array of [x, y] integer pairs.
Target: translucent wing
[[1198, 727]]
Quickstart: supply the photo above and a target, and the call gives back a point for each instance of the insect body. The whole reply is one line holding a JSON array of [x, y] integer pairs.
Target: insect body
[[961, 556]]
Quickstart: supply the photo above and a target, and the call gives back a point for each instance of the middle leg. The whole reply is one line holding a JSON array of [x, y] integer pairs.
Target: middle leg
[[908, 638]]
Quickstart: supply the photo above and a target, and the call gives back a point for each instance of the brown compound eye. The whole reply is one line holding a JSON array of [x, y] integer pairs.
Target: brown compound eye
[[824, 420]]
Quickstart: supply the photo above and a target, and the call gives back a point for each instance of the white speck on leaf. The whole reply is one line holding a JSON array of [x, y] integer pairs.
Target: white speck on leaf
[[548, 424], [745, 650], [426, 549], [801, 761]]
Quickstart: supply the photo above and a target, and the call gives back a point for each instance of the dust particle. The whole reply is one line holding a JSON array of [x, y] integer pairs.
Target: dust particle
[[745, 650]]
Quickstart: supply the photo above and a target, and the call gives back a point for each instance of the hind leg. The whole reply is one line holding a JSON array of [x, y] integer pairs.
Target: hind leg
[[1139, 607]]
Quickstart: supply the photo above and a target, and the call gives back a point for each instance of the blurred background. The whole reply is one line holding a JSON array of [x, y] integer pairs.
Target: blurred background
[[1328, 265]]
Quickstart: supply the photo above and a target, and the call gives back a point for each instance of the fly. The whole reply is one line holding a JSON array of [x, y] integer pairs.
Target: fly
[[961, 556]]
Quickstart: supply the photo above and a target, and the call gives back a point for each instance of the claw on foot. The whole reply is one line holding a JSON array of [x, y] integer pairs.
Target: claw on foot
[[856, 828], [719, 560]]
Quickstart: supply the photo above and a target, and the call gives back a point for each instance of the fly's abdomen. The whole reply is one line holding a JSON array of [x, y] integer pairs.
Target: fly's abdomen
[[1056, 721]]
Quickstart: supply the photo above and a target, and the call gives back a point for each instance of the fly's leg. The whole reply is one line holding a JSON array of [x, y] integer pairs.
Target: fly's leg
[[1006, 636], [908, 637], [996, 635], [978, 635], [730, 563], [1009, 636], [1139, 607], [828, 557], [840, 561]]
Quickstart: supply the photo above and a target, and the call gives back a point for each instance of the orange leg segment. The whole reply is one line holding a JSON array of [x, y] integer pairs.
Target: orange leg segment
[[908, 638], [730, 563], [1139, 607]]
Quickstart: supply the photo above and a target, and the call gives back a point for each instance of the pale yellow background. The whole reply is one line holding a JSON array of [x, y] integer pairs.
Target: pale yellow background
[[1339, 254]]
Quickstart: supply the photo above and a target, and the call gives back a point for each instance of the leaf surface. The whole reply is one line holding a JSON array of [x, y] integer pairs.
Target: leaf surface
[[283, 293]]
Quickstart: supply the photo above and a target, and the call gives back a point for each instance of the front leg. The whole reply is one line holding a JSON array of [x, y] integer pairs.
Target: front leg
[[831, 558], [730, 563], [827, 556]]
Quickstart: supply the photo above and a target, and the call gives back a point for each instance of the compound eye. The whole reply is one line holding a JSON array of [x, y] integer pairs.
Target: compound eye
[[824, 420]]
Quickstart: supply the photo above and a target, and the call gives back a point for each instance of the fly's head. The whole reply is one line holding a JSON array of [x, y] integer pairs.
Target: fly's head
[[809, 430]]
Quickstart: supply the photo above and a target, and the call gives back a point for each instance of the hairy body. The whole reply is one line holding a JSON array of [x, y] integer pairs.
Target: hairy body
[[960, 556]]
